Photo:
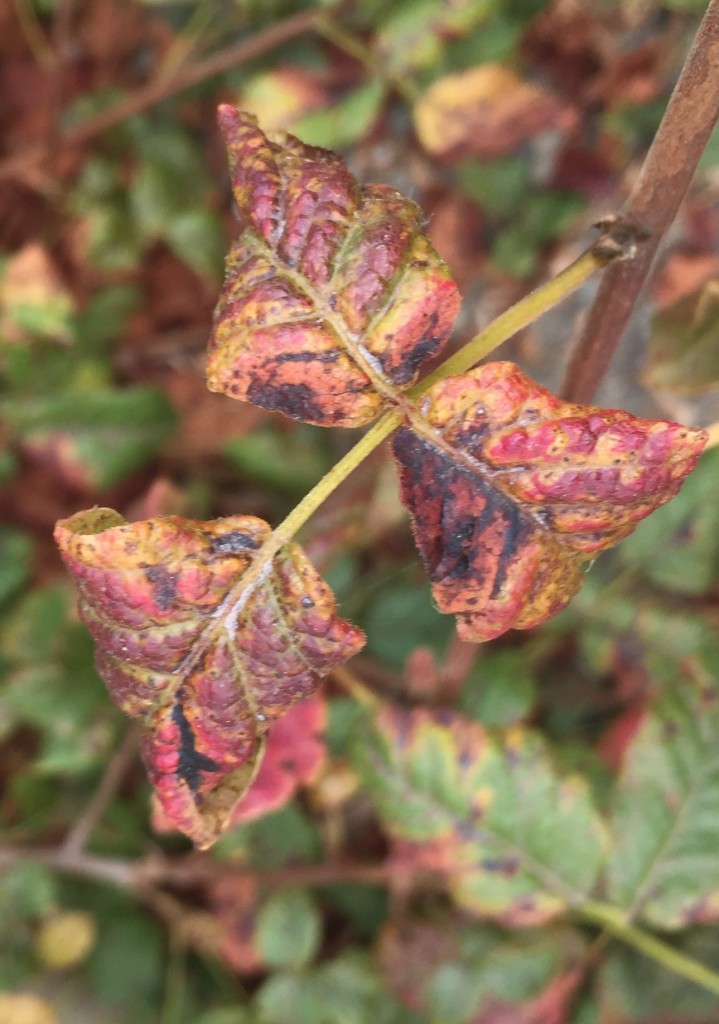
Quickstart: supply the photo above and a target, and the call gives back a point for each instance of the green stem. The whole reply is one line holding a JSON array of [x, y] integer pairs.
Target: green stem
[[500, 330], [331, 481], [613, 920]]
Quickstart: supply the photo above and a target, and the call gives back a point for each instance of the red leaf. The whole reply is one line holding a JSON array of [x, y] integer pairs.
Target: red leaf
[[333, 296], [294, 756], [204, 661], [513, 491]]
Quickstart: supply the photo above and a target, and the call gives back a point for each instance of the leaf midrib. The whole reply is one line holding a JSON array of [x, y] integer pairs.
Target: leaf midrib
[[545, 876]]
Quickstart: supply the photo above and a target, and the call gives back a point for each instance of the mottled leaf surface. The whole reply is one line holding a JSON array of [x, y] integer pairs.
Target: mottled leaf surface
[[294, 755], [520, 844], [452, 969], [206, 663], [664, 865], [333, 296], [513, 491]]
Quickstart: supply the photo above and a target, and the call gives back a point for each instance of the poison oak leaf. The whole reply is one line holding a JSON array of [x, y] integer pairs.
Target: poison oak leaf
[[294, 755], [516, 842], [513, 491], [333, 296], [206, 661]]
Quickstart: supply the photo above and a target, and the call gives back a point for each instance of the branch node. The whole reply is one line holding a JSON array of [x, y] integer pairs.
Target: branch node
[[621, 236]]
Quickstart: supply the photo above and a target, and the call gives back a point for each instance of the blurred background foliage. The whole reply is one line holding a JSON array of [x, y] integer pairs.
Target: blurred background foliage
[[513, 123]]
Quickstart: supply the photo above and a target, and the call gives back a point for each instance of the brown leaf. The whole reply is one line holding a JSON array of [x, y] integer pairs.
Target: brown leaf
[[333, 297], [513, 491], [486, 111]]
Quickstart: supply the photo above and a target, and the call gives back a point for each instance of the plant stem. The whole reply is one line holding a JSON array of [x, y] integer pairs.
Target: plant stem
[[331, 480], [612, 919], [662, 182], [500, 330], [713, 439]]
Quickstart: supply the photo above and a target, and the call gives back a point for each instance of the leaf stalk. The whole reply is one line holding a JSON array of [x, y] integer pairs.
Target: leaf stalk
[[613, 920], [524, 312]]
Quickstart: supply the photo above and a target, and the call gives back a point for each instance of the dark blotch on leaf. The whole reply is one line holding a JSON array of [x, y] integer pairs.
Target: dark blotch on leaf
[[190, 763], [164, 586], [234, 542], [296, 400]]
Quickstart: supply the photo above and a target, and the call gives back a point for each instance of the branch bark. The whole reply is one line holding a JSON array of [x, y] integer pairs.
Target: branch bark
[[661, 185]]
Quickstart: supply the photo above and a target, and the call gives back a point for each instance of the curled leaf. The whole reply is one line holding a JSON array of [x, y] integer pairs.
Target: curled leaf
[[512, 491], [333, 296], [205, 659]]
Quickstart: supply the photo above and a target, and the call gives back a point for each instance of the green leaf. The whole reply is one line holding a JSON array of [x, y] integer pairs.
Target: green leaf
[[460, 972], [227, 1015], [126, 966], [288, 835], [412, 37], [348, 120], [288, 997], [15, 555], [292, 461], [683, 356], [98, 437], [526, 844], [51, 685], [632, 989], [665, 822], [196, 237], [114, 242], [678, 546], [539, 220], [402, 617], [288, 929], [499, 186], [500, 689], [27, 891], [102, 321], [346, 990]]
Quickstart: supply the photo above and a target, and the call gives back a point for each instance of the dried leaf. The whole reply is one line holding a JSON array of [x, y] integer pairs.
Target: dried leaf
[[333, 296], [204, 661], [486, 112], [517, 843], [513, 491]]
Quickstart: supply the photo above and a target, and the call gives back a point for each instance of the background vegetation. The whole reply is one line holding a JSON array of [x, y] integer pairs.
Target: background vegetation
[[114, 217]]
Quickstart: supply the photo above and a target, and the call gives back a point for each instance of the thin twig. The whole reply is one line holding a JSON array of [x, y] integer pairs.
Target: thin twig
[[162, 87], [113, 775], [661, 185], [194, 869]]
